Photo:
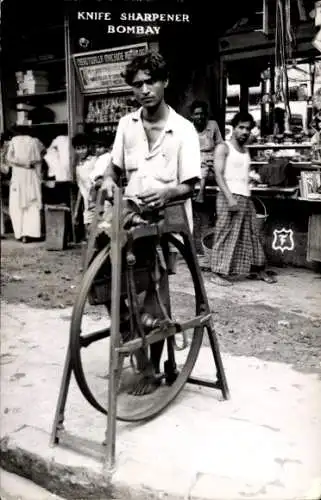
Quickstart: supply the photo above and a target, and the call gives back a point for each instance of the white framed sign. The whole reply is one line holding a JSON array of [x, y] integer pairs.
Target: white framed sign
[[100, 71]]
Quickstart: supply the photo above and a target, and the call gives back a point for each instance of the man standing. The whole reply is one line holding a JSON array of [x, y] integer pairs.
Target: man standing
[[209, 136], [237, 248], [158, 152]]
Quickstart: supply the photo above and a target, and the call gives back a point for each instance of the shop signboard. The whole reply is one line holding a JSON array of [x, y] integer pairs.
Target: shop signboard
[[100, 71]]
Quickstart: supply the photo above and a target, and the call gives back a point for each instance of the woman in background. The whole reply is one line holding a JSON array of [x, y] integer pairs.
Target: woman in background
[[4, 170], [24, 155]]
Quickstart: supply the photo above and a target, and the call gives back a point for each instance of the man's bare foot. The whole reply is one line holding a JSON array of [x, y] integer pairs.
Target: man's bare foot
[[264, 276], [221, 280], [146, 385]]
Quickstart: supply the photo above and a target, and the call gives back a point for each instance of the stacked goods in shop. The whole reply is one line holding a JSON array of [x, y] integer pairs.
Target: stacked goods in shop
[[23, 114], [31, 82], [36, 82]]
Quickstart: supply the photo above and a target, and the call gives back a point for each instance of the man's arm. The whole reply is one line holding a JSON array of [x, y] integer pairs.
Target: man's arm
[[158, 198], [115, 167], [113, 172], [10, 158], [189, 166], [220, 156], [217, 136]]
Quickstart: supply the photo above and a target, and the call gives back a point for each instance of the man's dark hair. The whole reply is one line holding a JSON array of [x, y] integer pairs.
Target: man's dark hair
[[151, 61], [241, 117], [199, 104], [80, 139]]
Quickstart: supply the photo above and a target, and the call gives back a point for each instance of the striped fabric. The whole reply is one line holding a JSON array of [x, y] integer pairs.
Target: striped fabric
[[237, 246]]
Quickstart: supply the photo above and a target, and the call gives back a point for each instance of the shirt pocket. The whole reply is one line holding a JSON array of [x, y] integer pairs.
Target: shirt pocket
[[165, 170]]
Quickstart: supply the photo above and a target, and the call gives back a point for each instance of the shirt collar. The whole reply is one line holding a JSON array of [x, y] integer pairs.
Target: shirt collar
[[171, 120]]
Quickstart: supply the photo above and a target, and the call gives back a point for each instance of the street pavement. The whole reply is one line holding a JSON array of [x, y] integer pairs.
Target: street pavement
[[14, 487], [263, 443]]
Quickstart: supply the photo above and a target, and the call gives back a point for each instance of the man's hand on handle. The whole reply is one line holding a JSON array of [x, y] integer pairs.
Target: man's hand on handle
[[232, 205], [154, 198]]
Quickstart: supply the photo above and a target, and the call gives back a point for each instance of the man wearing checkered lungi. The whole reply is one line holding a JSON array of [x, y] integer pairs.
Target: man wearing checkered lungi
[[237, 249]]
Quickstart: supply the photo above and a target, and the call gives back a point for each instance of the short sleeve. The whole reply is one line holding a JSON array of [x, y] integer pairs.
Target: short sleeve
[[10, 152], [117, 154], [189, 166]]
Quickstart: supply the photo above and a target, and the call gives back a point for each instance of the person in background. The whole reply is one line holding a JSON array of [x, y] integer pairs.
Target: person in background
[[57, 159], [209, 136], [4, 170], [85, 164], [237, 248], [25, 155], [102, 145]]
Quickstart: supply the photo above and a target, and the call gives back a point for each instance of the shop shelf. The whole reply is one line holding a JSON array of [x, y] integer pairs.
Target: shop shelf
[[294, 145], [306, 165], [42, 62], [309, 200], [96, 124], [53, 95], [275, 189], [261, 189], [46, 124], [297, 164]]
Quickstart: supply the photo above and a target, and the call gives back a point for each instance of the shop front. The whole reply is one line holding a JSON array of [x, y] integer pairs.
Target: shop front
[[73, 62], [277, 80], [62, 74]]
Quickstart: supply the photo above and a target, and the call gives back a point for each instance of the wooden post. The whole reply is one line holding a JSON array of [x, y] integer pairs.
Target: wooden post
[[244, 96], [264, 115], [272, 94], [222, 97], [1, 105], [115, 245], [70, 91]]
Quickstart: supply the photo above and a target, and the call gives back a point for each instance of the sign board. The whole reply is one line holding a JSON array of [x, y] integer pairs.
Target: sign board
[[100, 71]]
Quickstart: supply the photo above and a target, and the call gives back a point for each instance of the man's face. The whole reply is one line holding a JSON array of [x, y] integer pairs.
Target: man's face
[[100, 149], [81, 152], [198, 117], [242, 132], [148, 92]]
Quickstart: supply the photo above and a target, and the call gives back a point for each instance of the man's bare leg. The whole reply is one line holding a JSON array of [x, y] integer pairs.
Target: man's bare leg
[[150, 368]]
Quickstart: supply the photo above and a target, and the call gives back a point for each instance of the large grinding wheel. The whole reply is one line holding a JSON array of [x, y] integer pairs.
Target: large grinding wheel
[[89, 340]]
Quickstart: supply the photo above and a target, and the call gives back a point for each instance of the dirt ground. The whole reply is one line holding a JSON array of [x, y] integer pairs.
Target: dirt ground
[[37, 277], [49, 279]]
